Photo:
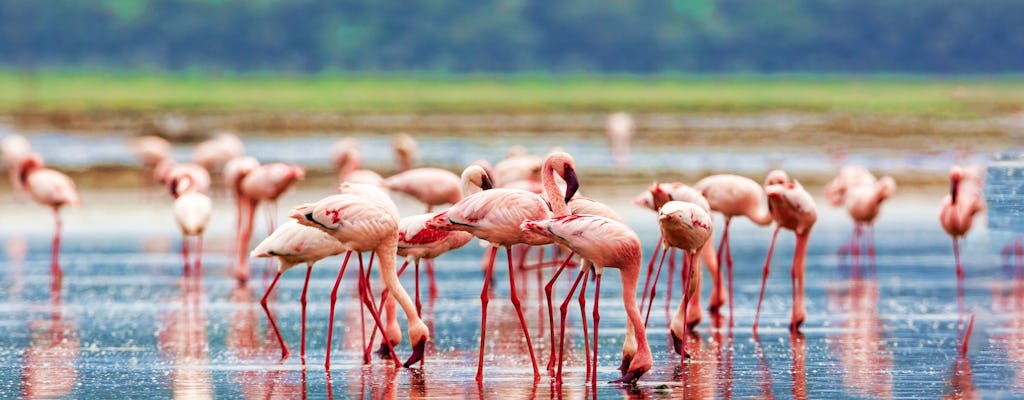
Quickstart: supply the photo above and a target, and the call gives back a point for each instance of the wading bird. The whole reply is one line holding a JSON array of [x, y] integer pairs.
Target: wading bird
[[685, 226], [49, 188]]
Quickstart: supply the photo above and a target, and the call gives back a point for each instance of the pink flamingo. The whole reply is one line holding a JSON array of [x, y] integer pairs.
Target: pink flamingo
[[14, 149], [347, 159], [686, 226], [863, 202], [733, 196], [957, 213], [168, 170], [50, 188], [519, 168], [606, 243], [263, 184], [620, 131], [192, 213], [431, 186], [293, 244], [850, 176], [654, 198], [360, 226], [406, 151], [151, 151], [791, 208], [214, 153], [495, 215]]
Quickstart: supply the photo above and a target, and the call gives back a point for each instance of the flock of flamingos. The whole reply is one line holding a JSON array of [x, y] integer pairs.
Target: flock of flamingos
[[524, 200]]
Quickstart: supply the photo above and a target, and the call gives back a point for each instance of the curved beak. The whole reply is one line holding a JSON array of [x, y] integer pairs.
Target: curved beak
[[954, 187], [302, 213], [572, 184], [417, 353], [485, 183]]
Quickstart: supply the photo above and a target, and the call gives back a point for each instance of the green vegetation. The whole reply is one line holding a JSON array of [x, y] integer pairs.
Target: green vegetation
[[886, 95]]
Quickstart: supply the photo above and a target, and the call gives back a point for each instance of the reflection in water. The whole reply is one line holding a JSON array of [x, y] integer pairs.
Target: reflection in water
[[961, 384], [183, 338], [252, 347], [49, 360], [1008, 300], [799, 347], [859, 343], [699, 375]]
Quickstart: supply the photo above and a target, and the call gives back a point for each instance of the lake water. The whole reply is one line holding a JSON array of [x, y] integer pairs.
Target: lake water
[[125, 323]]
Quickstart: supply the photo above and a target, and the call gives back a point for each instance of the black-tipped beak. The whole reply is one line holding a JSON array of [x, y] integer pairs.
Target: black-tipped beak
[[630, 378], [485, 183], [624, 365], [678, 344], [173, 186], [309, 216], [417, 353], [572, 184]]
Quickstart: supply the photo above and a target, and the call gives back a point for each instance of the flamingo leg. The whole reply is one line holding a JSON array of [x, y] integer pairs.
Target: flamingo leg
[[650, 270], [654, 289], [277, 332], [728, 265], [959, 276], [597, 321], [564, 309], [197, 265], [484, 299], [186, 269], [431, 281], [419, 305], [368, 301], [55, 272], [551, 312], [799, 261], [764, 277], [519, 312], [585, 324], [305, 288], [671, 282], [687, 279], [334, 299], [245, 233]]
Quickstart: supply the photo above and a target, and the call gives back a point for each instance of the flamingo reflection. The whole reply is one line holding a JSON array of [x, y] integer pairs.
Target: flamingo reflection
[[1009, 301], [49, 361], [250, 345], [183, 338], [859, 344]]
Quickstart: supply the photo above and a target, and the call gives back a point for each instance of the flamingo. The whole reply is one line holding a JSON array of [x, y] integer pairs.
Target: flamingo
[[151, 151], [431, 186], [292, 244], [957, 213], [519, 168], [791, 208], [863, 202], [406, 151], [347, 159], [495, 215], [733, 196], [606, 243], [14, 148], [654, 198], [192, 213], [168, 170], [620, 131], [265, 183], [686, 226], [361, 225], [849, 176], [50, 188], [214, 153]]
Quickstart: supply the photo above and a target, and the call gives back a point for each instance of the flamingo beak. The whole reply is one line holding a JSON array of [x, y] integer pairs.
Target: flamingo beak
[[485, 183], [630, 377], [417, 353], [679, 345], [572, 183], [954, 187], [624, 365]]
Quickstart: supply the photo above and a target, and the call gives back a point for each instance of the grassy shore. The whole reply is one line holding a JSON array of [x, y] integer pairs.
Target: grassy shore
[[78, 92]]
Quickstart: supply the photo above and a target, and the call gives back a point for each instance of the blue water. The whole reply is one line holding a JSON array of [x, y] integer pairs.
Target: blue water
[[126, 324]]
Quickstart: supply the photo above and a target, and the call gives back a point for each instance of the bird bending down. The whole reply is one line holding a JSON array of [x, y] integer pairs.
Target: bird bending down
[[361, 225], [607, 244], [265, 183], [49, 188], [688, 227], [292, 244], [862, 195], [431, 186], [733, 196], [792, 208]]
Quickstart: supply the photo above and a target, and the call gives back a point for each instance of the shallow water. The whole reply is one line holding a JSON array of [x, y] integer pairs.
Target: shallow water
[[126, 323]]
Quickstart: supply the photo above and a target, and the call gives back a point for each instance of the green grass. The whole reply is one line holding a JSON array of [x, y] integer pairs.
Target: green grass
[[884, 95]]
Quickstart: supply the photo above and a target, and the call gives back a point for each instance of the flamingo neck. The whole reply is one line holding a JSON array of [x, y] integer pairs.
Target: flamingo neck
[[554, 195], [386, 252], [629, 284]]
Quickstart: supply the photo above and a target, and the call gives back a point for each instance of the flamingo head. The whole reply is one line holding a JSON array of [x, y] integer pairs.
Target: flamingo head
[[563, 164], [308, 214], [644, 200], [658, 196], [886, 187], [30, 163], [237, 168], [776, 177], [418, 337]]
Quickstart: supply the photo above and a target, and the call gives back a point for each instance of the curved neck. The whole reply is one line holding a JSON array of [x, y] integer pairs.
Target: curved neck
[[386, 252], [629, 284], [761, 216], [554, 195]]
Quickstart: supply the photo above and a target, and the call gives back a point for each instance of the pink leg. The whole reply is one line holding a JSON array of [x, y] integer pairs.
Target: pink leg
[[187, 268], [334, 299], [305, 288], [551, 312], [586, 326], [597, 322], [686, 278], [959, 276], [671, 282], [56, 274], [484, 299], [564, 309], [654, 287], [728, 265], [369, 303], [431, 281], [799, 260], [419, 305], [764, 278], [650, 270], [277, 332], [197, 265], [519, 313]]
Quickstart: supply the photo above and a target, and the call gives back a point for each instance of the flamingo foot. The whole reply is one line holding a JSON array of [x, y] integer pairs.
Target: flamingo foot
[[417, 353]]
